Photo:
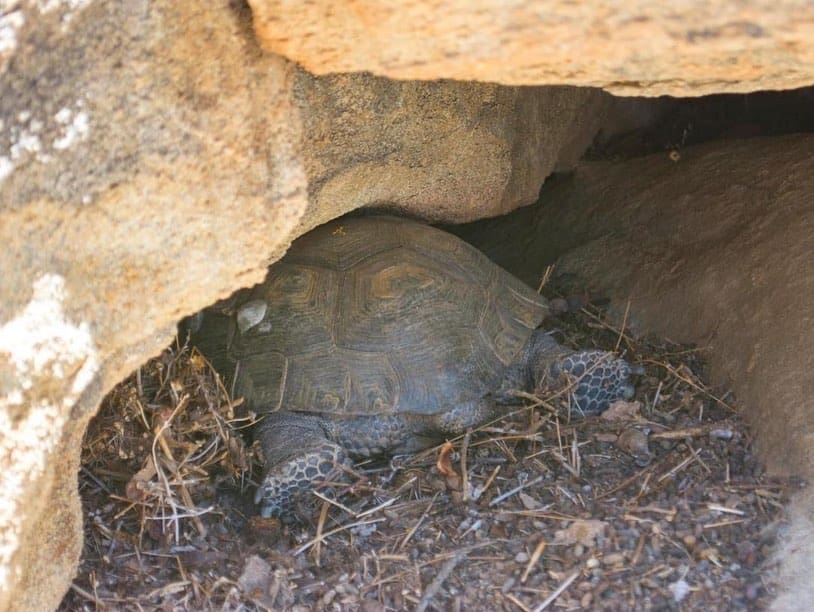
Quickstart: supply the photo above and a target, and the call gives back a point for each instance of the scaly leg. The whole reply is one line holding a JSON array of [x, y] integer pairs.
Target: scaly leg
[[299, 456], [593, 378]]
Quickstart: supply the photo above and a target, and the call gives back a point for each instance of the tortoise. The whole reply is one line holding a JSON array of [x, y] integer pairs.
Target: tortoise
[[381, 335]]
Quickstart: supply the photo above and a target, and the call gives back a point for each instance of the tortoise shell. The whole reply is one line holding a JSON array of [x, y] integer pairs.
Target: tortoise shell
[[377, 316]]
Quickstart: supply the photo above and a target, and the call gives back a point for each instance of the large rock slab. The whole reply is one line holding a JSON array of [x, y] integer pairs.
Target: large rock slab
[[443, 151], [684, 48], [129, 170], [154, 159]]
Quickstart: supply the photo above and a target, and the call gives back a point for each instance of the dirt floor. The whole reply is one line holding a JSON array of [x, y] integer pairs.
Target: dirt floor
[[656, 505]]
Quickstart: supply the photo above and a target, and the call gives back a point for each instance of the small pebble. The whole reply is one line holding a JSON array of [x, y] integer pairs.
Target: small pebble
[[558, 305], [578, 550], [613, 559], [747, 553], [722, 434], [680, 589], [753, 591]]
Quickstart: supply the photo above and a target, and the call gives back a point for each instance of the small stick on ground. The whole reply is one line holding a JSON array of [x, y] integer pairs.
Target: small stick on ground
[[89, 596], [690, 382], [511, 492], [725, 510], [638, 552], [657, 395], [535, 557], [93, 477], [724, 523], [551, 598], [157, 441], [549, 270], [517, 602], [375, 509], [627, 481], [602, 322], [335, 503], [439, 580], [464, 471], [417, 524], [327, 534], [190, 504], [490, 480], [622, 329], [687, 460], [688, 432], [323, 516]]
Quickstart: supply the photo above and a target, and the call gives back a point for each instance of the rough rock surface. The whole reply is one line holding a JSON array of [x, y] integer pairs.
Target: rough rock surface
[[714, 248], [152, 159], [128, 167], [444, 151], [628, 48]]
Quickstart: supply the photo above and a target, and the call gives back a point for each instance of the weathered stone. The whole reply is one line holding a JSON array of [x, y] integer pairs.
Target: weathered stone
[[653, 48], [444, 151], [148, 162], [152, 160], [715, 249]]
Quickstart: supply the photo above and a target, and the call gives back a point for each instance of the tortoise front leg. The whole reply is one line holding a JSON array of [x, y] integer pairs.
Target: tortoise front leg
[[298, 457], [593, 378]]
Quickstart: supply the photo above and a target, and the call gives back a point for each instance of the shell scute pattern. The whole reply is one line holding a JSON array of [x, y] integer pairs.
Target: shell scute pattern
[[354, 318]]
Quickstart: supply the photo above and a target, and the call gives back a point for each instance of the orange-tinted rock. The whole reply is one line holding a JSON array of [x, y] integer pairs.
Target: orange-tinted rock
[[684, 48]]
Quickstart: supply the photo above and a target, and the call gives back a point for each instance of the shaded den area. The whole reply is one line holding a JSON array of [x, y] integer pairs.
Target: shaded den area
[[682, 239]]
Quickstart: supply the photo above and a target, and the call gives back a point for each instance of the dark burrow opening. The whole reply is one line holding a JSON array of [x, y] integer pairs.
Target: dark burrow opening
[[529, 507], [635, 128], [643, 126]]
